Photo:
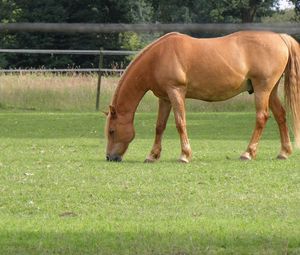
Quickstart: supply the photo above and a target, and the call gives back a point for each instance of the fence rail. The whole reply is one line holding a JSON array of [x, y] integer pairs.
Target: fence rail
[[290, 28], [63, 70], [70, 52], [67, 52], [100, 70]]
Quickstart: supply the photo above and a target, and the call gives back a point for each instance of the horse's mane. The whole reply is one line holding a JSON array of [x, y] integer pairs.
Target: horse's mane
[[135, 60]]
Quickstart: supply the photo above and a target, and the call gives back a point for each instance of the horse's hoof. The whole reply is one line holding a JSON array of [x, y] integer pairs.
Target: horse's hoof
[[245, 156], [150, 160], [282, 157], [183, 160]]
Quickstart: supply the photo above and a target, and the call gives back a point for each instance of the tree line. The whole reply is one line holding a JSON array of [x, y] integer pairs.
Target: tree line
[[118, 11]]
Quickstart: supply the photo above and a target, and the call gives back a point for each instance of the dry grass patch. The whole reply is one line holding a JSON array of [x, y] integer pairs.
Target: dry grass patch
[[77, 92]]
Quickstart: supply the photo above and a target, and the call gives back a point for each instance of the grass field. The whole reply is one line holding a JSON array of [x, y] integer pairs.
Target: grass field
[[59, 196]]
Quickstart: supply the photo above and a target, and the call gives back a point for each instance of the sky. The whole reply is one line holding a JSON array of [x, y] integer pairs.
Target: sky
[[284, 4]]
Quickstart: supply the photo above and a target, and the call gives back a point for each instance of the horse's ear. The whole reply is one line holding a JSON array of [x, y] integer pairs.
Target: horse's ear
[[105, 113], [112, 111]]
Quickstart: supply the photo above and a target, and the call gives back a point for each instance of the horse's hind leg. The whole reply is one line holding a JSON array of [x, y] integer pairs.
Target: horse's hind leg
[[262, 115], [164, 109], [280, 116]]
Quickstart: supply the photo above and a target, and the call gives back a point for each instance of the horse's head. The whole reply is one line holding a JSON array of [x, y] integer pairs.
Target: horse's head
[[119, 133]]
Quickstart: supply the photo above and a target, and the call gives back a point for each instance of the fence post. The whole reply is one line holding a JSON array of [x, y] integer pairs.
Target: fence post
[[99, 79]]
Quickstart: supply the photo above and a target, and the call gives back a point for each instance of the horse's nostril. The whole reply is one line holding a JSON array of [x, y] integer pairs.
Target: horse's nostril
[[118, 159], [115, 158]]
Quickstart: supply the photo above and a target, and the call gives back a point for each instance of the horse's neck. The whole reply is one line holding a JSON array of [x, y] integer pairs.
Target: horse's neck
[[129, 94]]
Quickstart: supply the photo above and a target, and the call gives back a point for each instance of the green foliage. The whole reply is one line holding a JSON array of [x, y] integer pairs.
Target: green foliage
[[139, 11], [61, 11], [282, 16], [131, 41], [213, 11], [112, 11], [135, 42], [3, 61], [60, 196], [297, 9]]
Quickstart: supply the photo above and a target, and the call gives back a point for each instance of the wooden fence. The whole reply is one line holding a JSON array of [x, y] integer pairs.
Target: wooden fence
[[100, 70], [290, 28], [293, 29]]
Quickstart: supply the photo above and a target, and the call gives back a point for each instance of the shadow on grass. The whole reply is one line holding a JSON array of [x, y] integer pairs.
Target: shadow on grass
[[101, 242], [194, 161], [213, 126]]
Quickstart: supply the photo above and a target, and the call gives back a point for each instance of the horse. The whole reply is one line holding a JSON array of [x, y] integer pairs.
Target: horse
[[177, 66]]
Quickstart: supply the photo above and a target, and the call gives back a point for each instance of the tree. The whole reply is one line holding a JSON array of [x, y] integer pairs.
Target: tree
[[113, 11], [245, 11], [297, 9], [212, 11], [99, 11]]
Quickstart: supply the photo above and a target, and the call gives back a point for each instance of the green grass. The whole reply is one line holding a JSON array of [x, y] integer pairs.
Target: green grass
[[59, 196]]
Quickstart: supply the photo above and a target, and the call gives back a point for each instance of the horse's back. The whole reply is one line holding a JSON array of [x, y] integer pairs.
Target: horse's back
[[247, 46], [218, 68]]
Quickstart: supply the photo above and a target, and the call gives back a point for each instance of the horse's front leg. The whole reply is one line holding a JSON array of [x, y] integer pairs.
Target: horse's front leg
[[164, 109], [177, 98]]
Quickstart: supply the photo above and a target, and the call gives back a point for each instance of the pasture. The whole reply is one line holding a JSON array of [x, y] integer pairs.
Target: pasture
[[59, 196]]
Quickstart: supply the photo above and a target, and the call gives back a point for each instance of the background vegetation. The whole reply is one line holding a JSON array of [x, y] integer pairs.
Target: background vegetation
[[118, 11], [77, 92]]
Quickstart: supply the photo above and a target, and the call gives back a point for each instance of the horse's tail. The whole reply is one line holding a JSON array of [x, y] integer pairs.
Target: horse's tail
[[292, 83]]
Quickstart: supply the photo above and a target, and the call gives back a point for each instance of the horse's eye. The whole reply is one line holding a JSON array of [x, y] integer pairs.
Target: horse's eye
[[111, 131]]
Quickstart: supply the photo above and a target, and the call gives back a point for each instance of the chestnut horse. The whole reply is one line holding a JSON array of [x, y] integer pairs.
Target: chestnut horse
[[177, 66]]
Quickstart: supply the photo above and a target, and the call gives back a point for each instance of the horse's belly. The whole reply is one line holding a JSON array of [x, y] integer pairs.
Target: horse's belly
[[215, 92]]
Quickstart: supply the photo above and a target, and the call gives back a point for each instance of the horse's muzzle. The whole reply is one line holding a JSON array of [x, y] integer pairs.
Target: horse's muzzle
[[115, 158]]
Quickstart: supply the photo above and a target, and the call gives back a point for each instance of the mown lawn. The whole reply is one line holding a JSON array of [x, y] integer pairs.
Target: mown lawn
[[59, 196]]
